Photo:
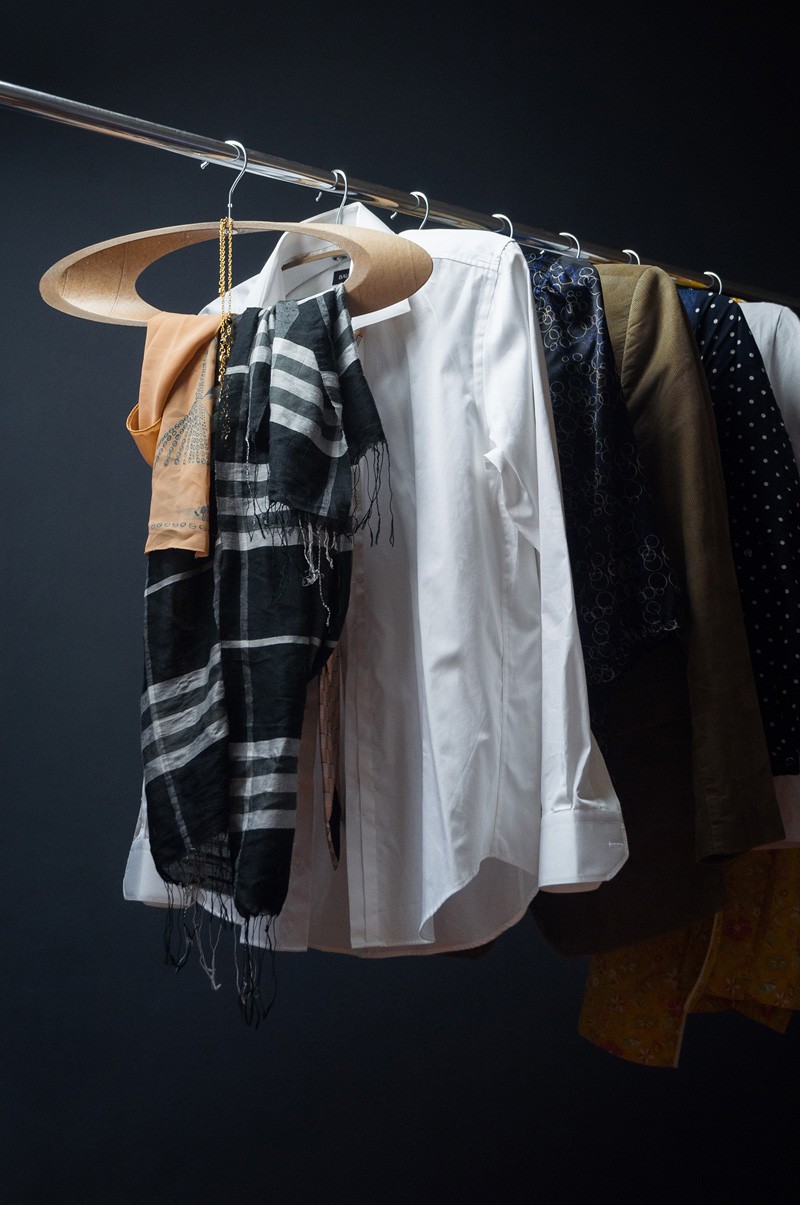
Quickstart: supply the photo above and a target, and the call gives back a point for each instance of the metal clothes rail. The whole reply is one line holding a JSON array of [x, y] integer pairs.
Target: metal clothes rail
[[196, 146]]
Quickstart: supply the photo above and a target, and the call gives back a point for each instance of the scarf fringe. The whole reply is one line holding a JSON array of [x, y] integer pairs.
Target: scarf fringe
[[379, 456], [190, 928], [324, 533]]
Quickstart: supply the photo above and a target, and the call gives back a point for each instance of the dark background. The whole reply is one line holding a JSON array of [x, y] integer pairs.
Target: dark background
[[407, 1079]]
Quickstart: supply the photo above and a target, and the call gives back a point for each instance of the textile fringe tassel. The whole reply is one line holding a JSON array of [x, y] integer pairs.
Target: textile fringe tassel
[[180, 902], [187, 921], [190, 927], [378, 455], [320, 536], [249, 974]]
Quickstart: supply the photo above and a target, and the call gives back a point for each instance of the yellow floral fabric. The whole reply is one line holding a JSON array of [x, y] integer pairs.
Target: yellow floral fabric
[[747, 957]]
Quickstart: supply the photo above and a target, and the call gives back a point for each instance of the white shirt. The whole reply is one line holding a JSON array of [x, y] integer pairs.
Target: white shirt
[[471, 777], [776, 330]]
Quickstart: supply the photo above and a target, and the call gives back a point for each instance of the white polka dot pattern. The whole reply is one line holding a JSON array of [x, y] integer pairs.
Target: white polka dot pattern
[[762, 485]]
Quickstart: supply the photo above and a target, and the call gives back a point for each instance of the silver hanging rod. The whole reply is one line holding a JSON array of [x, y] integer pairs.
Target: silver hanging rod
[[196, 146]]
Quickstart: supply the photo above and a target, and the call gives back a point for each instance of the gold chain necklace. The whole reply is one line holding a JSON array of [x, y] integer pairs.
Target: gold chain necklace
[[226, 325]]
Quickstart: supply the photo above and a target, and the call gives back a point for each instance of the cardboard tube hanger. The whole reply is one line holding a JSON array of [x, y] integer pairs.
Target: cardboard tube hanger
[[99, 282]]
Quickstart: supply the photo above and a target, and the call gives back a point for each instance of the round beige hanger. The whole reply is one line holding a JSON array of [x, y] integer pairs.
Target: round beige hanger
[[99, 282]]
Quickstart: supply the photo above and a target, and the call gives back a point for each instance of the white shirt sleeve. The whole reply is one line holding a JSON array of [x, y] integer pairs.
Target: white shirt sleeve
[[776, 330], [583, 838]]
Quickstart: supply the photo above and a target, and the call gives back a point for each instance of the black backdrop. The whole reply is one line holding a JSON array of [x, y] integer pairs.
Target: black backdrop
[[400, 1080]]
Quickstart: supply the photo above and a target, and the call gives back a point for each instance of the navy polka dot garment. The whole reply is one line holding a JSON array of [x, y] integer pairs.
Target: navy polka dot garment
[[625, 591], [762, 485]]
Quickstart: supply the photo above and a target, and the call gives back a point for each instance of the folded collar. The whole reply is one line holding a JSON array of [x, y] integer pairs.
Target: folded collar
[[273, 284]]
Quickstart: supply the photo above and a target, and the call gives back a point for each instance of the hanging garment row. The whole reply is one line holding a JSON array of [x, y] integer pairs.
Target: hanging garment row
[[456, 609], [468, 774]]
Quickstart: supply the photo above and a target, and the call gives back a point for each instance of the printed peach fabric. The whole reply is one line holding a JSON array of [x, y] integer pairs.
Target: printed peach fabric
[[747, 957], [171, 425]]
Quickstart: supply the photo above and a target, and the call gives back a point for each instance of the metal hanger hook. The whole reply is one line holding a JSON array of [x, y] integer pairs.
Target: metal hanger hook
[[240, 153], [566, 234], [421, 196], [337, 172], [633, 255], [716, 278], [504, 218]]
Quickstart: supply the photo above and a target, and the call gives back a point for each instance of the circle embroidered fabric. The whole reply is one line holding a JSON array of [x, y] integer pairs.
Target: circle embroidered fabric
[[625, 591]]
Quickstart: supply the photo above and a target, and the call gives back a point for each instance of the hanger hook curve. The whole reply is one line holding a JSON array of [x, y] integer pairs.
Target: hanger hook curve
[[337, 172], [566, 234], [633, 255], [240, 153], [421, 196], [504, 218], [716, 278]]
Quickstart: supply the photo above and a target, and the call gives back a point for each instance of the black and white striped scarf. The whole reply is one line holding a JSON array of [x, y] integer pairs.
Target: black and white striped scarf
[[232, 641]]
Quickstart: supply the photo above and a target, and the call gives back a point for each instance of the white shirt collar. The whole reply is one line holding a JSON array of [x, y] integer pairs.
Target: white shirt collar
[[273, 284]]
